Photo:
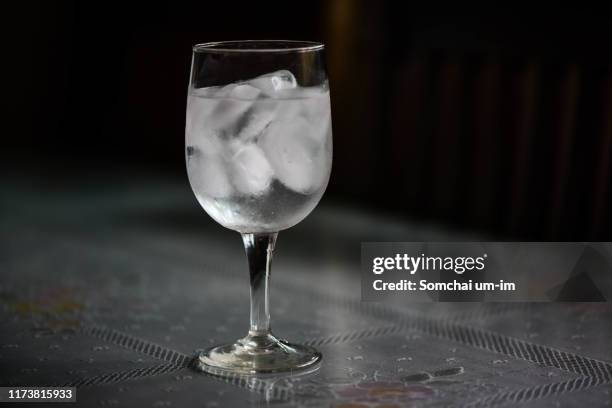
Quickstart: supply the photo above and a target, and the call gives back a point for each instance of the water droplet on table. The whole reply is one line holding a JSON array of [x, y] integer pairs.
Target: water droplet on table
[[10, 346], [419, 377], [448, 371]]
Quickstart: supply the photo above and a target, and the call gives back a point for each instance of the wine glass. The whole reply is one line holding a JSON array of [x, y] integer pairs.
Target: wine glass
[[259, 155]]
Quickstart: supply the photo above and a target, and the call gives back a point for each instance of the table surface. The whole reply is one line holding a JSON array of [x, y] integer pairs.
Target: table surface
[[112, 290]]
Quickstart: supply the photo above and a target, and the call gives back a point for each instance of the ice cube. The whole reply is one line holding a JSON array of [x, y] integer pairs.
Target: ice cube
[[210, 145], [222, 91], [251, 172], [317, 111], [224, 120], [214, 112], [207, 174], [256, 123], [297, 159], [312, 105], [206, 92], [245, 91], [274, 82], [198, 109]]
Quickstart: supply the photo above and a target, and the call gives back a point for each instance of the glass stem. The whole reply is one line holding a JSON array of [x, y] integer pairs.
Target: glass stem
[[259, 248]]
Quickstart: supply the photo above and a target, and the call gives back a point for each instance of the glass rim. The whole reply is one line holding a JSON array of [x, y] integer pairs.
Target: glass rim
[[249, 46]]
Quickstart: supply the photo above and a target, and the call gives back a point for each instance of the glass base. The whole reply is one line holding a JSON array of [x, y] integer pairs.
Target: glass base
[[258, 354]]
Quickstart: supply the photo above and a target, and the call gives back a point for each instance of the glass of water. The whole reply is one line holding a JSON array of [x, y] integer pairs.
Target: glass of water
[[259, 155]]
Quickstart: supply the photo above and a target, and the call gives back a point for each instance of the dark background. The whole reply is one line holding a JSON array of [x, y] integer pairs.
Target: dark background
[[494, 120]]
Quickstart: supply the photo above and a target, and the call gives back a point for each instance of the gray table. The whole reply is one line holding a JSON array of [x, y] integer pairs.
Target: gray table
[[112, 289]]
